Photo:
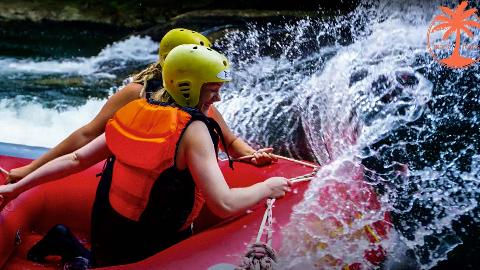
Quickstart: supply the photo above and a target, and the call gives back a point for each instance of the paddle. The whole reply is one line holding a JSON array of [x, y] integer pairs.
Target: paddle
[[280, 157]]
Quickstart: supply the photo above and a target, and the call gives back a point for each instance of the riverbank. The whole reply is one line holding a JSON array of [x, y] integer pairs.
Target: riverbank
[[143, 14]]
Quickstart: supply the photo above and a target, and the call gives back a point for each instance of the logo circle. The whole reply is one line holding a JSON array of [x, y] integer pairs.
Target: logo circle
[[460, 53]]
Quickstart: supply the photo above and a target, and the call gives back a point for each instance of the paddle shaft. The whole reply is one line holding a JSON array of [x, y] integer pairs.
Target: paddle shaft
[[279, 157], [3, 171]]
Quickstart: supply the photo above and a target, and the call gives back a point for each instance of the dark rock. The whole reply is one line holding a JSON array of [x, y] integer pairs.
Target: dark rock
[[218, 21], [142, 14]]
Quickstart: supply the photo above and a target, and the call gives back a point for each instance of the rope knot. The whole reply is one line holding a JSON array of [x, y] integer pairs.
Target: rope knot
[[260, 256]]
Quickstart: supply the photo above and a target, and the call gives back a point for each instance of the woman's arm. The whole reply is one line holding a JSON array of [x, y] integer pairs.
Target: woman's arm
[[238, 147], [83, 135], [200, 158], [60, 167]]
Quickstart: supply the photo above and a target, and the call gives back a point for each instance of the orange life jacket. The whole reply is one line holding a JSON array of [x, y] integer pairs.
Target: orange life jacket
[[144, 137]]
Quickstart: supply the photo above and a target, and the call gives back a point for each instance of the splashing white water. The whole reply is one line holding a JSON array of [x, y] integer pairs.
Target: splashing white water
[[31, 124], [312, 91], [347, 98], [20, 118], [111, 58], [355, 102]]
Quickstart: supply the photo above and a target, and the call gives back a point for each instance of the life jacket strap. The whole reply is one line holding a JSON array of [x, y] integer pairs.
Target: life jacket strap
[[218, 129]]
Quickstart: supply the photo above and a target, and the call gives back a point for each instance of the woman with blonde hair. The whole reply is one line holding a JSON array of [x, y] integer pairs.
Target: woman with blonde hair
[[161, 168], [144, 85]]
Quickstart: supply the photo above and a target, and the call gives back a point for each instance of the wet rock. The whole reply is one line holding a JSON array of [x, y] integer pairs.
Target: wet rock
[[406, 78], [73, 81], [357, 76], [219, 21], [109, 13], [146, 13]]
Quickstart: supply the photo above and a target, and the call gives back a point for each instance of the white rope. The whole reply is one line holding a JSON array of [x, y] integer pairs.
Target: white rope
[[267, 216], [267, 219], [261, 255], [269, 226], [305, 177]]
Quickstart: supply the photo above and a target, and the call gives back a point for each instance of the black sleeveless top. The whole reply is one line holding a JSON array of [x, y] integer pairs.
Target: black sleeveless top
[[120, 240]]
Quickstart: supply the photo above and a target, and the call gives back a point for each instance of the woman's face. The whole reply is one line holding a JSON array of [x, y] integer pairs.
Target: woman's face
[[209, 94]]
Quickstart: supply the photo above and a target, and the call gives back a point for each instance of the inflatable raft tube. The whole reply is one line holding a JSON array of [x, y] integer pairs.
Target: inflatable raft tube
[[216, 244]]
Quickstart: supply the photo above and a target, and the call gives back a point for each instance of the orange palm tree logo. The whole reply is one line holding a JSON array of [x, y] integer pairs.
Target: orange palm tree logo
[[456, 22]]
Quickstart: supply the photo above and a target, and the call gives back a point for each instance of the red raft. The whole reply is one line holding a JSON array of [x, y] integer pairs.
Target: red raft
[[69, 201]]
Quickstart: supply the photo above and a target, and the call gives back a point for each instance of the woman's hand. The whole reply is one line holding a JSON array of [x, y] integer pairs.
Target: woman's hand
[[278, 186], [7, 193], [263, 157], [17, 174]]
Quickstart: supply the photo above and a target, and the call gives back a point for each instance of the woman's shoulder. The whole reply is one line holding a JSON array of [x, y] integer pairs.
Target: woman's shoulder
[[197, 131], [125, 95], [130, 91], [132, 86]]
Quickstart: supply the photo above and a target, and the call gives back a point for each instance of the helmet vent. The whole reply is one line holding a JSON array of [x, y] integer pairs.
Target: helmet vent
[[209, 49], [201, 43], [181, 30], [184, 88], [195, 47], [224, 63]]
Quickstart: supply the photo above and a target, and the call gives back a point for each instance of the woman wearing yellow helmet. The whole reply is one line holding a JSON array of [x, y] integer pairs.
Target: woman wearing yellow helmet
[[143, 85], [161, 167]]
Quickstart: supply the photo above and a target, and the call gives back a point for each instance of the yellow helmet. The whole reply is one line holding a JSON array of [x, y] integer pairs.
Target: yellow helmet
[[179, 36], [187, 67]]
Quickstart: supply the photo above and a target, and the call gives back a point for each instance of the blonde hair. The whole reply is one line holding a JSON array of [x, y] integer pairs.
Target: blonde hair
[[154, 71]]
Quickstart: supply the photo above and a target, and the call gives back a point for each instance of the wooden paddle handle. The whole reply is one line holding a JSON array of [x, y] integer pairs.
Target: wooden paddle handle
[[298, 180], [296, 161], [280, 157]]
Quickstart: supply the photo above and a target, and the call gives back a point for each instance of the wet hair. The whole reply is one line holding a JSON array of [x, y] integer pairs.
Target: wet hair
[[154, 71], [162, 95]]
